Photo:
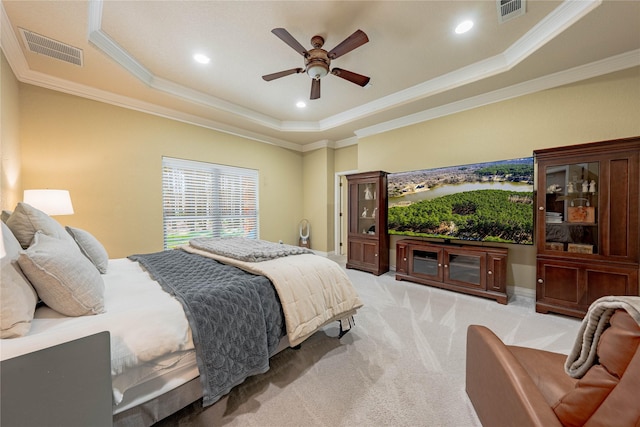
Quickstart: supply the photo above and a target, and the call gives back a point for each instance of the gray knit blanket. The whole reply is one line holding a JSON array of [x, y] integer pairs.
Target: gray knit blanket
[[583, 354], [235, 317], [248, 250]]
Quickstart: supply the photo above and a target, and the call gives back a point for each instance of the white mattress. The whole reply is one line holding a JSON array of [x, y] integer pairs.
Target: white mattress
[[159, 346]]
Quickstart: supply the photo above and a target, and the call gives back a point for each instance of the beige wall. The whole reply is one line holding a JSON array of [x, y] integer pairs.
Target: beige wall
[[318, 200], [109, 158], [346, 159], [602, 108], [9, 137]]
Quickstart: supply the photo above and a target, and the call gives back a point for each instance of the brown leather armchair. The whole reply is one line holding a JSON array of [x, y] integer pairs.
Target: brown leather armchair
[[518, 386]]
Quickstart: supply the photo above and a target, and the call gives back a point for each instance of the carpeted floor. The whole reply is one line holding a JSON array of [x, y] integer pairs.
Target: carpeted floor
[[402, 365]]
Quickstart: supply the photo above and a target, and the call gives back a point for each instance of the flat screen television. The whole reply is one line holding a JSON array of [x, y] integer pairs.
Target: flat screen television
[[487, 202]]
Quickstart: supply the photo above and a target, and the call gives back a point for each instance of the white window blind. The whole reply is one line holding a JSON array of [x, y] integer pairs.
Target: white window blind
[[207, 200]]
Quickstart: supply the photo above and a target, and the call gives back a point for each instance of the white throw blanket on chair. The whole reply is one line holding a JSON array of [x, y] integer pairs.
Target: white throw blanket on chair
[[583, 354]]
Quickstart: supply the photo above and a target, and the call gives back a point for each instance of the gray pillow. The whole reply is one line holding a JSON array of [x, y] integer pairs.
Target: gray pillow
[[17, 297], [25, 220], [91, 248], [4, 216], [64, 278]]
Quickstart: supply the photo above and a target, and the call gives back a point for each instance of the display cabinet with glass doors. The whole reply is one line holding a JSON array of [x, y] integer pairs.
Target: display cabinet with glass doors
[[587, 224], [367, 239]]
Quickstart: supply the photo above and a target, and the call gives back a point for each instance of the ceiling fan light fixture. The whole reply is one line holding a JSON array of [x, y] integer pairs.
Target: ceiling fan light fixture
[[317, 61], [317, 70]]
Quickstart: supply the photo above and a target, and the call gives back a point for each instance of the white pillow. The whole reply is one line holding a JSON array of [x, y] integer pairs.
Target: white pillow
[[64, 278], [25, 220], [17, 297], [91, 248]]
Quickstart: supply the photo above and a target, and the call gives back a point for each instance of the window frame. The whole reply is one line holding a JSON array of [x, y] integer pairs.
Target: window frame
[[202, 199]]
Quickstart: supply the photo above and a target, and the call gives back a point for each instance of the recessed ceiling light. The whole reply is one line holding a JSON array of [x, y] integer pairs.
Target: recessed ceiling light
[[300, 104], [202, 59], [464, 26]]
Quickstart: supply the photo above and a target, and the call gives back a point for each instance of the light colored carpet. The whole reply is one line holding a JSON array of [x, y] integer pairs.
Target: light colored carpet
[[402, 365]]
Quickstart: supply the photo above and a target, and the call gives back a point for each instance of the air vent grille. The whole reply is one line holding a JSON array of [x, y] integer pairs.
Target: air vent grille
[[509, 9], [52, 48]]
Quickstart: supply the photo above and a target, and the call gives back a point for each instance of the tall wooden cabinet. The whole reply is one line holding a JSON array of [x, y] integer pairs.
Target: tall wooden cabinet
[[587, 226], [367, 239]]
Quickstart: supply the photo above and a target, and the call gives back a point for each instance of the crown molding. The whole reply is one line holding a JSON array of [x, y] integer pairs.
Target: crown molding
[[561, 18], [347, 142], [583, 72], [553, 24], [324, 143], [557, 21], [564, 16], [112, 49], [11, 47]]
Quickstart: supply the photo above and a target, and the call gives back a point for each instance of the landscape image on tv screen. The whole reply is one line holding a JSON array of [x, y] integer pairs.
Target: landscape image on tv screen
[[488, 202]]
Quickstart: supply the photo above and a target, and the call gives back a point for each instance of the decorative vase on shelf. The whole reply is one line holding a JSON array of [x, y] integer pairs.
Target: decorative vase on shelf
[[592, 186]]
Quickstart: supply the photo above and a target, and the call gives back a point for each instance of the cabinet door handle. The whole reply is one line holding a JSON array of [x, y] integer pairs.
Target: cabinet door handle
[[404, 259], [540, 281], [540, 208], [445, 266], [439, 265], [376, 254], [489, 272]]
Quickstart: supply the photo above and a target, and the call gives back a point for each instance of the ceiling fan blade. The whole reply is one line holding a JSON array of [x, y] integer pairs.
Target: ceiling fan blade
[[355, 40], [279, 74], [315, 89], [288, 39], [356, 78]]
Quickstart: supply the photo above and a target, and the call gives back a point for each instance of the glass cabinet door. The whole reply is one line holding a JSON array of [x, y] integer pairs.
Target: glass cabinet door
[[464, 268], [427, 262], [571, 208], [367, 208]]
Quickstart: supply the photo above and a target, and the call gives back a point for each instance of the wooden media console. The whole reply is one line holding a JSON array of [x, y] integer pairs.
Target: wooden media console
[[470, 269]]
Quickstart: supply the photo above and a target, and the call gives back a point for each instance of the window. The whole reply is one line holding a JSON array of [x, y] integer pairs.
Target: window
[[207, 200]]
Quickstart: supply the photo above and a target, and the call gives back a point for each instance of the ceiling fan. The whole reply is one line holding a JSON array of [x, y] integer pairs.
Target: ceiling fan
[[318, 60]]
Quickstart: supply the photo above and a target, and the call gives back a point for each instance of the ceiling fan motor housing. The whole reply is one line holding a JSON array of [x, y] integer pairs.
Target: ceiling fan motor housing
[[317, 63]]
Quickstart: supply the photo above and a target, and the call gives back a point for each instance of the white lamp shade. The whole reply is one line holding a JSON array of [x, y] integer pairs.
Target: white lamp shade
[[51, 202]]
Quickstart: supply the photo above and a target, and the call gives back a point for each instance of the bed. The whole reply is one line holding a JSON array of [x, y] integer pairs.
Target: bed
[[174, 338]]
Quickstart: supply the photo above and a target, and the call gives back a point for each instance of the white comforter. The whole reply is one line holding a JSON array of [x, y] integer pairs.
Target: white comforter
[[313, 290], [131, 298]]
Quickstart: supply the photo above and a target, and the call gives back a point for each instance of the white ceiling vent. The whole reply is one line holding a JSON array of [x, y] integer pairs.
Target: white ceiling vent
[[509, 9], [52, 48]]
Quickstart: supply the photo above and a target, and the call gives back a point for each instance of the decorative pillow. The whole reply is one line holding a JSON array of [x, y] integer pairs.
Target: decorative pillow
[[5, 216], [17, 297], [91, 248], [64, 278], [25, 220]]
